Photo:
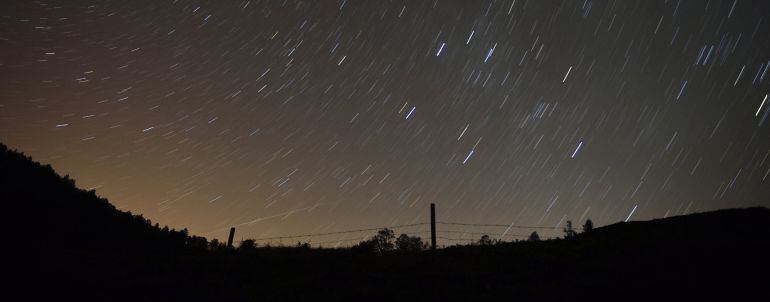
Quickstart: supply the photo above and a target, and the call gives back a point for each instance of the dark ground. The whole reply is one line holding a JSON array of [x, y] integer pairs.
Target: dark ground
[[68, 244]]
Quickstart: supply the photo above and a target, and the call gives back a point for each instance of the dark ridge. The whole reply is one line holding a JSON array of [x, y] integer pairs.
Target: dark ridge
[[78, 243], [70, 244], [54, 212]]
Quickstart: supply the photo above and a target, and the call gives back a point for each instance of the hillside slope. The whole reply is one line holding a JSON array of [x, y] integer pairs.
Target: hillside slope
[[73, 241], [56, 213], [71, 244]]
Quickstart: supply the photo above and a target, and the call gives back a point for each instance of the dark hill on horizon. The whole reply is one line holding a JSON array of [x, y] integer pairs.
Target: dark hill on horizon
[[69, 244]]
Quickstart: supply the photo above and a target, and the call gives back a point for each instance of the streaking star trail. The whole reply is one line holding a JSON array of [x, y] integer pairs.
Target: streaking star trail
[[293, 117]]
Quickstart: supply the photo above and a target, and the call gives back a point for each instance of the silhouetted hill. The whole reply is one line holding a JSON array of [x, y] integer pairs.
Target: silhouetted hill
[[56, 213], [69, 244], [718, 255], [63, 232]]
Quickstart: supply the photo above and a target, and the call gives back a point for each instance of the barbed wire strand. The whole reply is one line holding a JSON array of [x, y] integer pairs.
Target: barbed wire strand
[[498, 225], [338, 232]]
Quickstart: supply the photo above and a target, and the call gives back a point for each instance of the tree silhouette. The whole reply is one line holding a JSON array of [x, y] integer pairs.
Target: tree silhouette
[[534, 237], [569, 232], [588, 226], [383, 241], [405, 242]]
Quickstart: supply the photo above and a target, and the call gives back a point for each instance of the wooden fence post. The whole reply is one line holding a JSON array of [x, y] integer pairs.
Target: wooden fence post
[[433, 226], [230, 239]]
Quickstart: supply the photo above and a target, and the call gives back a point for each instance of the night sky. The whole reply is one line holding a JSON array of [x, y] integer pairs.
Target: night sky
[[286, 117]]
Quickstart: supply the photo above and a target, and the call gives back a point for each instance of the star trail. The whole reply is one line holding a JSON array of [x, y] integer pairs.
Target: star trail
[[294, 117]]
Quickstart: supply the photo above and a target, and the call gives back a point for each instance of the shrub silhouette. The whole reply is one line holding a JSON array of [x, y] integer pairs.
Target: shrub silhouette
[[247, 245], [534, 237], [197, 242], [485, 240], [365, 246], [380, 242], [588, 226], [408, 243], [215, 245]]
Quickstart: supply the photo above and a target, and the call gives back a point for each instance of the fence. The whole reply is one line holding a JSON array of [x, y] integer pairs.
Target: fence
[[450, 233]]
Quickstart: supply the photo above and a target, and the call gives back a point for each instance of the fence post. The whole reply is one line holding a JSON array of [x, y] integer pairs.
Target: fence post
[[433, 226], [230, 239]]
